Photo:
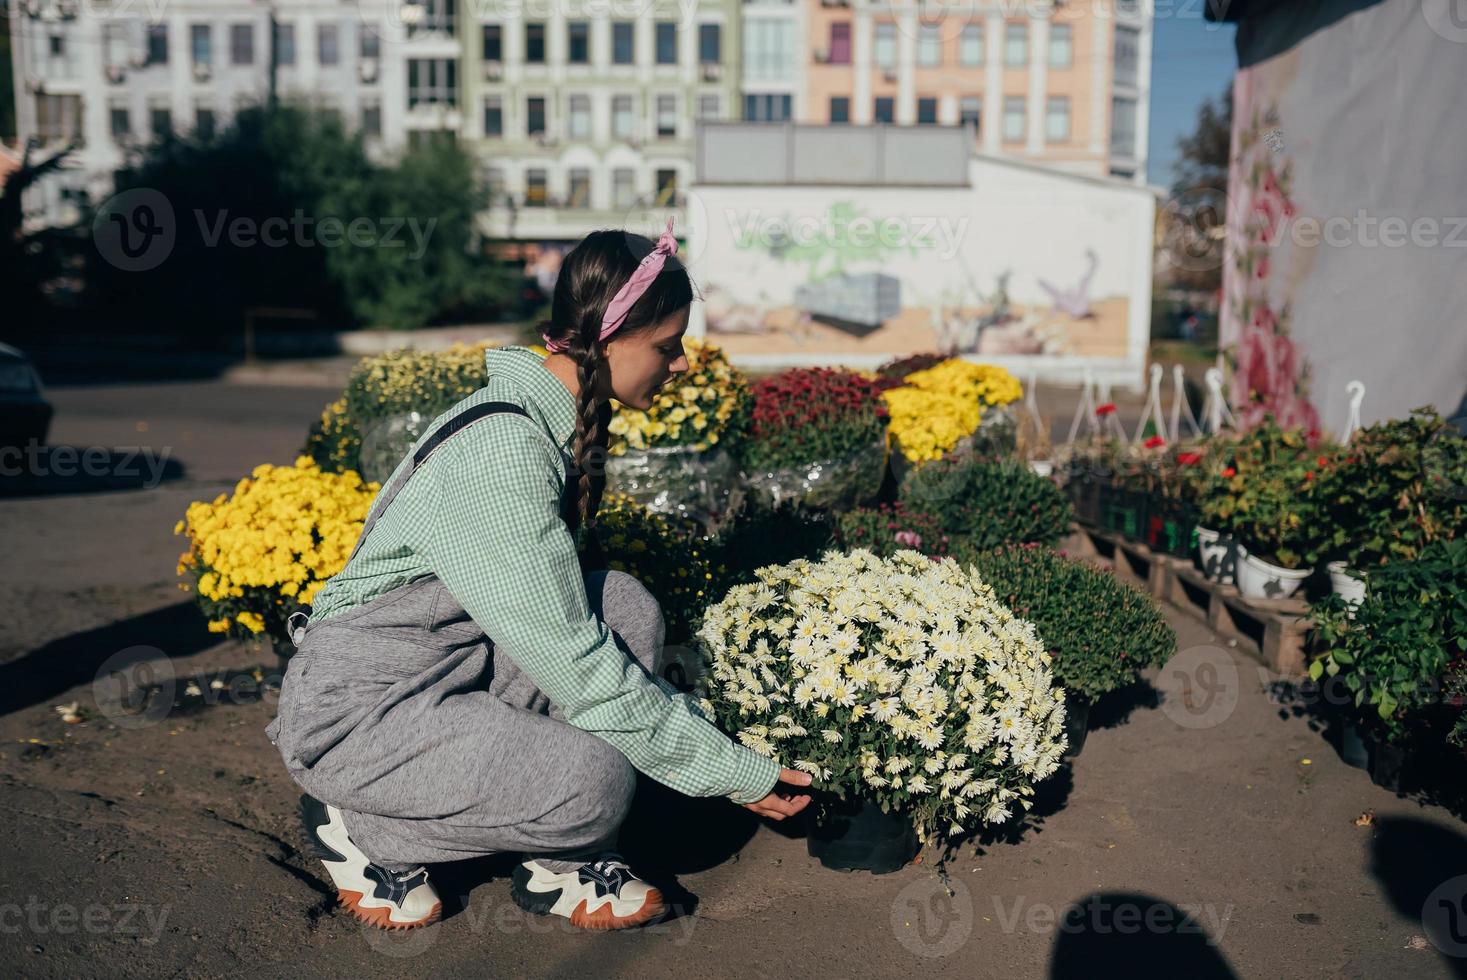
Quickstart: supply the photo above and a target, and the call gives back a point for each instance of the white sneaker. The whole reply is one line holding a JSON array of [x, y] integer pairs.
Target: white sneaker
[[600, 894], [370, 892]]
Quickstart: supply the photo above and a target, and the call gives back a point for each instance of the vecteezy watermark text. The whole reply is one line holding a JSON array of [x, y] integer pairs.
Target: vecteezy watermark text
[[125, 462]]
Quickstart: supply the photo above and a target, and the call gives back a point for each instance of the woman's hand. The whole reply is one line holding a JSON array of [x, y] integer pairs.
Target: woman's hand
[[784, 800]]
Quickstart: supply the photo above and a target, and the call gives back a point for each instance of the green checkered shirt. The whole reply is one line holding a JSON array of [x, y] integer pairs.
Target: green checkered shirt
[[483, 513]]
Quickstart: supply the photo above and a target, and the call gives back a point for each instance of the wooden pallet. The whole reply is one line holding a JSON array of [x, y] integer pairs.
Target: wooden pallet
[[1278, 632]]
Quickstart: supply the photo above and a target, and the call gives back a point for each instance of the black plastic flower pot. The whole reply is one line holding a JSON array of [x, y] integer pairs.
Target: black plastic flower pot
[[1077, 725], [1125, 512], [1354, 749], [1387, 765], [855, 835]]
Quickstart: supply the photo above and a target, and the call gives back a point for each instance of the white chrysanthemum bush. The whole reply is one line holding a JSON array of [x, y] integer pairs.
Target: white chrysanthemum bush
[[901, 680]]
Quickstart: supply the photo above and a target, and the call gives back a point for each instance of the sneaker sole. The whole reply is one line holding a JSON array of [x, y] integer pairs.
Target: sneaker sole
[[312, 815]]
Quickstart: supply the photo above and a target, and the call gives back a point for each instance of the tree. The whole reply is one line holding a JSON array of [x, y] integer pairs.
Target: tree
[[1203, 160], [28, 260]]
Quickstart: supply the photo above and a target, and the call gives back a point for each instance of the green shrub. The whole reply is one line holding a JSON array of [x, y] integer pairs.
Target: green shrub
[[1100, 631], [1400, 647], [890, 528], [805, 415], [663, 554], [757, 536], [988, 502]]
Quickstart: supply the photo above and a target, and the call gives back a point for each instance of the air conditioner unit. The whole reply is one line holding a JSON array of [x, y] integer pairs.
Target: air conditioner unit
[[32, 9], [202, 71], [493, 71], [712, 71], [116, 74], [67, 9], [139, 60], [34, 85], [890, 74], [822, 56], [367, 69], [546, 140]]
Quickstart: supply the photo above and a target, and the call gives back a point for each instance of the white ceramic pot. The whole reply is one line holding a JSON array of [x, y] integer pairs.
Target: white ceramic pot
[[1217, 554], [1258, 579], [1348, 587], [1042, 467]]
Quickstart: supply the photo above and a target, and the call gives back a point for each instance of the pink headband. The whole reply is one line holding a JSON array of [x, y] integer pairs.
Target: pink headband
[[627, 296]]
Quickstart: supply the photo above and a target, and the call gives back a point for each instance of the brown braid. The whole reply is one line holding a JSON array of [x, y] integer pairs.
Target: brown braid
[[591, 436]]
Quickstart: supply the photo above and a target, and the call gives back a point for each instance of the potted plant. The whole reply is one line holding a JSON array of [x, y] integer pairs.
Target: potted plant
[[1394, 650], [1100, 632], [1087, 468], [934, 410], [815, 665], [890, 528], [988, 502], [262, 553], [675, 458], [1032, 442], [818, 439], [1396, 488]]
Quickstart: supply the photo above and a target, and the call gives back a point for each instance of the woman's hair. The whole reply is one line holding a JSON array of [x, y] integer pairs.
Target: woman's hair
[[589, 279]]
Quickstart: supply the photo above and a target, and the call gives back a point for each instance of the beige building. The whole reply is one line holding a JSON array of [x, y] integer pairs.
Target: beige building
[[1062, 85]]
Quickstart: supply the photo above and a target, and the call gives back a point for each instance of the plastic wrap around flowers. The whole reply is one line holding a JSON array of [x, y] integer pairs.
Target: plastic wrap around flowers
[[902, 680], [679, 481], [830, 484]]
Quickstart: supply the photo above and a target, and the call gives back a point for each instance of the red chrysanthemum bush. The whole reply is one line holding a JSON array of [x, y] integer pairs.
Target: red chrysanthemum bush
[[805, 415]]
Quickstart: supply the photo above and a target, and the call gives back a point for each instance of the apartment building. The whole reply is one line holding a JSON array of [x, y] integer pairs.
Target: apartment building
[[584, 114], [113, 77], [1064, 85]]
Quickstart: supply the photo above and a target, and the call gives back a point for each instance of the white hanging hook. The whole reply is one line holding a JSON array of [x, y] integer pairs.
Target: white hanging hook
[[1356, 389], [1152, 411], [1085, 407], [1216, 408], [1181, 404]]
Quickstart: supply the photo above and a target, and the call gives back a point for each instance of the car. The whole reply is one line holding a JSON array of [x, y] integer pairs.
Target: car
[[25, 415]]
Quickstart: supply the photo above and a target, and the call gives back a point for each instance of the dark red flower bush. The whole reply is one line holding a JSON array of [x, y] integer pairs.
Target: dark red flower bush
[[805, 415]]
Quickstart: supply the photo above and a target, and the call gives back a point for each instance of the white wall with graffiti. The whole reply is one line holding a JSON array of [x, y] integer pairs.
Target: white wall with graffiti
[[1043, 272]]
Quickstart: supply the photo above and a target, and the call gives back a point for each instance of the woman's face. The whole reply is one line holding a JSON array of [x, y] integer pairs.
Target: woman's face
[[642, 362]]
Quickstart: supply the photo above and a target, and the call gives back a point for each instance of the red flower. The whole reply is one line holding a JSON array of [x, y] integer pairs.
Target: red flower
[[1107, 409], [1188, 459], [1155, 442], [1229, 472], [1309, 475], [1322, 461]]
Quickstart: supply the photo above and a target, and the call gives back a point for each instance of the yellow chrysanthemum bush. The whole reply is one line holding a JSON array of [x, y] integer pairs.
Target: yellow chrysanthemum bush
[[382, 396], [932, 409], [901, 680], [706, 405], [258, 555]]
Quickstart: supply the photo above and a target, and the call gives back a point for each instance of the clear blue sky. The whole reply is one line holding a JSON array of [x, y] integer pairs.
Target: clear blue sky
[[1191, 60]]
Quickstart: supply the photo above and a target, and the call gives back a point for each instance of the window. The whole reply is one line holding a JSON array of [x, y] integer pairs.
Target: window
[[1057, 119], [1127, 55], [1013, 118], [1061, 46], [970, 46], [200, 42], [371, 119], [535, 115], [666, 187], [580, 117], [1015, 45], [493, 42], [578, 43], [241, 44], [970, 110], [534, 188], [766, 108], [57, 46], [115, 44], [535, 44], [623, 188], [328, 44], [623, 124], [371, 44], [710, 107], [157, 44], [927, 112], [160, 121], [769, 51], [1123, 128], [623, 43], [432, 81], [58, 117], [885, 110], [840, 109], [710, 44], [929, 45], [285, 44], [666, 42], [886, 45], [121, 122], [493, 185], [840, 44], [667, 115], [578, 187], [494, 116], [203, 122]]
